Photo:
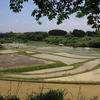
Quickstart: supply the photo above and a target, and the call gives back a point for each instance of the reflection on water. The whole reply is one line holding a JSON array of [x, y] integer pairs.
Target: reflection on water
[[20, 45], [78, 50]]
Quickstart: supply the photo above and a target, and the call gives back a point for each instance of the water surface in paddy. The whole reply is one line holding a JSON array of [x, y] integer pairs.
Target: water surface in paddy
[[78, 50]]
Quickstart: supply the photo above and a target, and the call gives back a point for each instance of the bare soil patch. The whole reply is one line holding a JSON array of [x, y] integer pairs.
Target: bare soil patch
[[16, 60]]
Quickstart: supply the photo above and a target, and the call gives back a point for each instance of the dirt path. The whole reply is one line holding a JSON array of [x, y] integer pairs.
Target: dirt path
[[59, 58], [7, 87]]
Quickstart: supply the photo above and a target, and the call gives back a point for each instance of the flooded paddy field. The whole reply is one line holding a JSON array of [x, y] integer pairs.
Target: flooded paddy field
[[79, 50]]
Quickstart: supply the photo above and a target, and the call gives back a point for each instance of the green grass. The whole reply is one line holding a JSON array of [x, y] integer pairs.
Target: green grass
[[37, 43], [33, 68], [17, 78]]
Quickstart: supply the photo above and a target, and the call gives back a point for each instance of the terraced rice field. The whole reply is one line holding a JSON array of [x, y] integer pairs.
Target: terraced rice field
[[63, 73], [68, 73], [93, 76]]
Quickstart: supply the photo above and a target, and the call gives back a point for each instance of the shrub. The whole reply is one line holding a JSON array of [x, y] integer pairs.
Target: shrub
[[11, 97], [50, 95]]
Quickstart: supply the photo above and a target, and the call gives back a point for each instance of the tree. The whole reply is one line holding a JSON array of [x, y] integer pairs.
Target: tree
[[61, 9], [92, 33], [57, 32], [78, 33]]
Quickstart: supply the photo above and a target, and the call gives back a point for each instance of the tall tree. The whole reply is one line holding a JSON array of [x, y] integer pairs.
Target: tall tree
[[78, 33], [61, 9]]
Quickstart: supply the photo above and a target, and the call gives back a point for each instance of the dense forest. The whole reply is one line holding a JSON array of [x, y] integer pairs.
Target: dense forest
[[75, 38]]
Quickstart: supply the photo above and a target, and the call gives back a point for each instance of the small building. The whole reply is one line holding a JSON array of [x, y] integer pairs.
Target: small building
[[61, 44]]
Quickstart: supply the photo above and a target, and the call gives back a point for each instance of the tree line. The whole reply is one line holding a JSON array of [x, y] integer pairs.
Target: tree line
[[55, 36]]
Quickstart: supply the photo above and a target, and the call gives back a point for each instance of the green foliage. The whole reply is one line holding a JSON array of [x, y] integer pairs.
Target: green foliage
[[5, 41], [9, 97], [62, 9], [57, 32], [55, 39], [78, 33], [79, 40], [32, 36], [76, 38], [50, 95], [92, 33], [7, 35]]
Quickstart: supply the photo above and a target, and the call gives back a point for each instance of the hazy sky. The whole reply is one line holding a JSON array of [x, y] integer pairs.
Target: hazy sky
[[24, 22]]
